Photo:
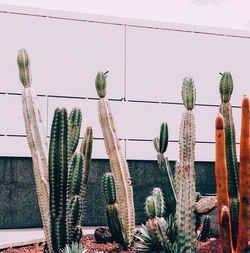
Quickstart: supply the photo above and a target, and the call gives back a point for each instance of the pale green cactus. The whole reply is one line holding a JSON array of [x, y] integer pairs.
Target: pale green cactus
[[118, 164]]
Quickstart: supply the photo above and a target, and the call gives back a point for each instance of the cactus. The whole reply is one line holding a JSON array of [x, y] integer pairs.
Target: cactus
[[60, 180], [118, 164], [186, 195], [206, 229], [167, 177], [112, 213], [67, 177], [226, 89], [159, 234], [224, 215], [36, 137]]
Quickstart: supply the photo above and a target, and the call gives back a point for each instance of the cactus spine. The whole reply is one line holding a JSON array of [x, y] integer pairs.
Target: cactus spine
[[186, 195], [226, 89], [112, 213], [222, 184], [37, 141], [167, 177], [118, 164]]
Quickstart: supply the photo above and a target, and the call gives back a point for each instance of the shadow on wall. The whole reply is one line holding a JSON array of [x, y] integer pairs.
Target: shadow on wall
[[19, 206]]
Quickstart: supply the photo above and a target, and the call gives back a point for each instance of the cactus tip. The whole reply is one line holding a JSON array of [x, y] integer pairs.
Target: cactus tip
[[219, 123], [23, 63], [100, 84]]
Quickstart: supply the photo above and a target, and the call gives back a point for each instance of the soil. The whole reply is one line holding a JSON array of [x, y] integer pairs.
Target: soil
[[211, 246]]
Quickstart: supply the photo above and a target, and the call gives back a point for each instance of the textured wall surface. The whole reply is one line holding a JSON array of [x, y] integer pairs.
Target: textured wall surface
[[19, 206]]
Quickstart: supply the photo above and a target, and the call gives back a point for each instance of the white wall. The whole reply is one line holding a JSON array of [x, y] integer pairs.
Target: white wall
[[147, 62]]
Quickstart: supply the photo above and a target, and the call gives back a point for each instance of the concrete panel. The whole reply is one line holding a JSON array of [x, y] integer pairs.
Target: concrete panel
[[144, 120], [54, 47], [158, 60], [12, 114], [14, 146]]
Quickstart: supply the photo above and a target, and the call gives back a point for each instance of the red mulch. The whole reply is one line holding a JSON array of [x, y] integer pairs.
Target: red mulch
[[211, 246]]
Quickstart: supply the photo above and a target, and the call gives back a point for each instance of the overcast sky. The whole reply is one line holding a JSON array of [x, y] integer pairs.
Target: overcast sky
[[220, 13]]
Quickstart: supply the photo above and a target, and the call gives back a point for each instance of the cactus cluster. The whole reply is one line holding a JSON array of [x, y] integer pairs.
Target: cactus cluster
[[159, 234], [118, 164], [112, 213], [60, 173], [223, 187]]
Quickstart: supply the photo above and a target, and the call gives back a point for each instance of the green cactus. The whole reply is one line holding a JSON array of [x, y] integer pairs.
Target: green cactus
[[60, 180], [206, 229], [226, 89], [185, 205], [37, 140], [112, 213], [159, 234], [167, 176], [67, 177], [118, 164]]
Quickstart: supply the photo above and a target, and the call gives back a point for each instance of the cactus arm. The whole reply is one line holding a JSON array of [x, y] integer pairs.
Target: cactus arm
[[37, 141], [244, 218], [222, 187], [226, 89], [75, 121], [112, 213], [118, 164], [58, 168], [86, 150]]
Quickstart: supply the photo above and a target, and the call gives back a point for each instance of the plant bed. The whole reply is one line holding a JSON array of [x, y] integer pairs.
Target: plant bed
[[210, 246]]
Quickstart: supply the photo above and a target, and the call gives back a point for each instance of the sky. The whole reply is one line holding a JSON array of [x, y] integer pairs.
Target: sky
[[233, 14]]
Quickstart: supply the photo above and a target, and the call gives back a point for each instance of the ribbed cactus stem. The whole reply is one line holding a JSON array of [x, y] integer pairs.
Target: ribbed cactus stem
[[58, 167], [37, 140], [159, 200], [188, 93], [185, 205], [118, 164], [163, 144], [222, 187], [206, 228], [100, 84], [75, 121], [244, 217], [109, 188], [226, 89], [23, 63], [150, 207]]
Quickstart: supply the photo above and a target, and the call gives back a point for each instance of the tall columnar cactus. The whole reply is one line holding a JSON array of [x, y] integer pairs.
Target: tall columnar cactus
[[225, 224], [226, 89], [60, 180], [112, 213], [37, 141], [118, 164], [67, 176], [167, 177], [186, 194]]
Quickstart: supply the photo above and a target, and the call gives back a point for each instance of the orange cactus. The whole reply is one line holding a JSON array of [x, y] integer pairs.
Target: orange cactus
[[244, 219], [222, 186]]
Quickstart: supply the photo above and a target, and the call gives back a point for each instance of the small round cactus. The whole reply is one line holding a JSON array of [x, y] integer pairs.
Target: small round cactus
[[188, 93], [100, 84], [226, 87], [23, 63]]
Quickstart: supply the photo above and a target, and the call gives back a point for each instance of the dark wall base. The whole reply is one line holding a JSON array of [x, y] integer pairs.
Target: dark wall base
[[18, 201]]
